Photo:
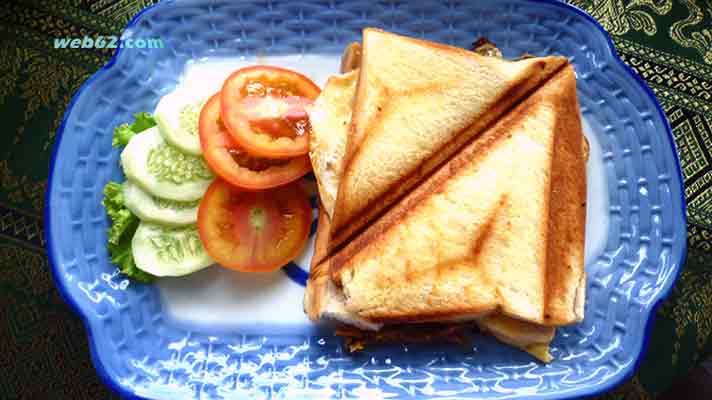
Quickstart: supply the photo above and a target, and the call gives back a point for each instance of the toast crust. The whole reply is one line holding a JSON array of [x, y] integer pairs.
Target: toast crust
[[315, 292], [565, 275], [322, 299]]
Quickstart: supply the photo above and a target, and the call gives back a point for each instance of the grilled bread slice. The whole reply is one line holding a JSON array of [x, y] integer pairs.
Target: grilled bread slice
[[416, 104], [499, 227]]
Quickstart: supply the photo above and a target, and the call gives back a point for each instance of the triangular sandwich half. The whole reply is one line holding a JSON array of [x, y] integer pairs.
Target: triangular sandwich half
[[499, 227], [416, 103]]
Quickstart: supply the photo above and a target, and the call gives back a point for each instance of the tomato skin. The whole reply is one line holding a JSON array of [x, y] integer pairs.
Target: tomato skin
[[254, 231], [221, 153], [238, 123]]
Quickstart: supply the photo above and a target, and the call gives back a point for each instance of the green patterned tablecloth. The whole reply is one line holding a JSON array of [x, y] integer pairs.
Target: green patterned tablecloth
[[43, 345]]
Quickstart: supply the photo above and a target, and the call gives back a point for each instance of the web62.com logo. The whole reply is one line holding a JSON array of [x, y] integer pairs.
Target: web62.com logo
[[107, 42]]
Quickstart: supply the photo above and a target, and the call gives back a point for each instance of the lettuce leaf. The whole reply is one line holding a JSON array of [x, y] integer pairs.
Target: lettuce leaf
[[123, 226], [123, 222], [121, 255], [122, 219], [124, 132]]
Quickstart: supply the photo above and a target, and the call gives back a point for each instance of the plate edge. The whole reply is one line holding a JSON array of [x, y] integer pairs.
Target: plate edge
[[108, 380], [123, 391]]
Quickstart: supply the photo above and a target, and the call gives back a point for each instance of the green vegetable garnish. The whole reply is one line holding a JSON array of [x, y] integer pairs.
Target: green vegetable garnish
[[124, 132], [123, 222], [123, 226], [190, 116], [170, 164]]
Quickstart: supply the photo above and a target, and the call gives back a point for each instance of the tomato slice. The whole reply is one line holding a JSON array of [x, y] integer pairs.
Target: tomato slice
[[234, 164], [254, 231], [263, 110]]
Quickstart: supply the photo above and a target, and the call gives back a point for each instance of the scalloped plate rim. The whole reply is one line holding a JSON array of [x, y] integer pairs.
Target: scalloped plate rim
[[588, 392]]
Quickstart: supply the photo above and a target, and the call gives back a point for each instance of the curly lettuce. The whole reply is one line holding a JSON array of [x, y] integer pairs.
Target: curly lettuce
[[123, 226], [123, 222], [124, 132]]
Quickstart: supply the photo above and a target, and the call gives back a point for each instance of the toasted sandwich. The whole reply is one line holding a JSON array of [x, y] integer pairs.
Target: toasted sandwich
[[501, 225], [415, 104], [495, 233]]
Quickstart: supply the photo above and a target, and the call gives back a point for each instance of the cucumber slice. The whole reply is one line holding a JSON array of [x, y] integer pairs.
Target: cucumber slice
[[168, 251], [177, 115], [164, 171], [155, 209]]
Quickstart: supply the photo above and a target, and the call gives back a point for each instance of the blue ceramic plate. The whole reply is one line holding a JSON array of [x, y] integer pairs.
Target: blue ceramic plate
[[222, 334]]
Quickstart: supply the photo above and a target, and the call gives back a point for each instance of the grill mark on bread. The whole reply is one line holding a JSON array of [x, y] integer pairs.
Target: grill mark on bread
[[435, 182], [320, 242], [318, 273], [339, 237], [481, 236]]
